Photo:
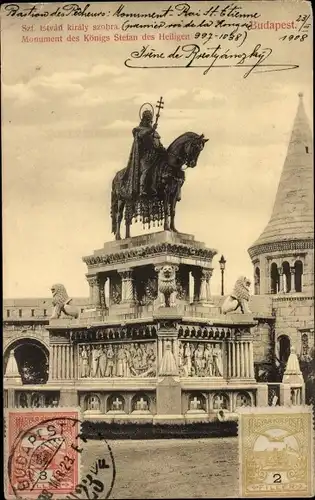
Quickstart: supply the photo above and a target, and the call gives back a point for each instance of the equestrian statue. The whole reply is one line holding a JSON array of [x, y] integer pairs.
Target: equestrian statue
[[150, 186]]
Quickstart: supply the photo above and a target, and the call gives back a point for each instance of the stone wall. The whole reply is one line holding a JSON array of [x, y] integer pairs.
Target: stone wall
[[293, 313]]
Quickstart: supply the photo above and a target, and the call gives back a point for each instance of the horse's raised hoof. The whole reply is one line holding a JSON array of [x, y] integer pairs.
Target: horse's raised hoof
[[117, 237]]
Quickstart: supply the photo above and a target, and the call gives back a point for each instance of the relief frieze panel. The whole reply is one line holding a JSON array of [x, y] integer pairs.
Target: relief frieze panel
[[200, 359], [122, 360]]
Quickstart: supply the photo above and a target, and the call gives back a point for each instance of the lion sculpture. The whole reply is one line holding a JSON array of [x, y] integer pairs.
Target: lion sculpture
[[239, 298], [167, 285], [61, 303]]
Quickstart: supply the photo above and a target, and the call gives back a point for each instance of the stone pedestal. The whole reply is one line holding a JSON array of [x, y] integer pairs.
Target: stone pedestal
[[69, 397], [12, 375], [168, 397], [285, 394], [262, 395]]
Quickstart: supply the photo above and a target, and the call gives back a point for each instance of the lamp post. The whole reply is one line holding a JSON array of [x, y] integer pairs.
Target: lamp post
[[222, 263]]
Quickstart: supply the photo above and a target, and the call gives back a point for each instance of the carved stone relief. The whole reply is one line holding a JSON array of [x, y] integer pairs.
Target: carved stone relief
[[200, 359], [117, 360]]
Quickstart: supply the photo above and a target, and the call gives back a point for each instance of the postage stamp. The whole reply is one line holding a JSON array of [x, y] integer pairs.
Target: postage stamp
[[276, 452], [45, 453]]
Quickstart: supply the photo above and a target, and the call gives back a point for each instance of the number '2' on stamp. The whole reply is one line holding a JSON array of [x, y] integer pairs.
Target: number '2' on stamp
[[276, 452]]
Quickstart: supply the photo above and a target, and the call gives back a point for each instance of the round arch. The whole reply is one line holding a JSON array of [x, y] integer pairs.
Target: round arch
[[23, 335], [298, 275], [284, 348], [274, 278], [32, 358]]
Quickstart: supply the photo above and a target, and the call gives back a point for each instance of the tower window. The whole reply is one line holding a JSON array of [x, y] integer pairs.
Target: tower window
[[274, 278], [8, 313], [257, 281], [287, 275], [20, 313], [306, 149], [284, 349], [298, 266], [32, 312], [45, 312]]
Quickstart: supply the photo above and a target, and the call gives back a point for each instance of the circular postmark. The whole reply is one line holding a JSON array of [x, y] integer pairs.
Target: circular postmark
[[54, 459]]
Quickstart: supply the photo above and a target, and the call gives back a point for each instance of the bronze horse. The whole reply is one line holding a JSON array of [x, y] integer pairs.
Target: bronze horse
[[184, 150]]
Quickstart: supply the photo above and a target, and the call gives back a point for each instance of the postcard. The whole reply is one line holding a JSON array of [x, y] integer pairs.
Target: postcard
[[158, 241]]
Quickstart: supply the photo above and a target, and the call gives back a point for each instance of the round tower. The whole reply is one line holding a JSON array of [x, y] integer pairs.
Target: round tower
[[283, 255]]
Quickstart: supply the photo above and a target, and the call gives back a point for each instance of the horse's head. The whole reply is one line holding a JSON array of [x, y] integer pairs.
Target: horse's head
[[193, 149]]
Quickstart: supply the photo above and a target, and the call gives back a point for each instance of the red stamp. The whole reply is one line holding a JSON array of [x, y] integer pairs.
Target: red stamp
[[43, 452]]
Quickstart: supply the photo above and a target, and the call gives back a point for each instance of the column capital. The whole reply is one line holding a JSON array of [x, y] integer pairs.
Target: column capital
[[206, 274], [92, 280], [126, 274]]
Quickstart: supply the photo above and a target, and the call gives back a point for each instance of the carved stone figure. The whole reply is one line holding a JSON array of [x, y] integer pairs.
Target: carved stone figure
[[110, 362], [217, 361], [239, 298], [198, 360], [102, 362], [208, 358], [85, 370], [168, 363], [167, 286], [61, 303], [96, 354]]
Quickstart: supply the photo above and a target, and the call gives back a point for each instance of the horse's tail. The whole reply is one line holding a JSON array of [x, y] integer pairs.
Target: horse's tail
[[114, 207]]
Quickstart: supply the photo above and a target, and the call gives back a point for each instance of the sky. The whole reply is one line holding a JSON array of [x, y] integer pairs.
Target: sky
[[67, 116]]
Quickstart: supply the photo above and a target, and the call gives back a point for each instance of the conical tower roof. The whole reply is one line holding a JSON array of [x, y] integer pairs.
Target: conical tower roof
[[292, 215]]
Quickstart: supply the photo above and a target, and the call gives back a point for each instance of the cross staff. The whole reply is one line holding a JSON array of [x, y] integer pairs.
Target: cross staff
[[159, 106]]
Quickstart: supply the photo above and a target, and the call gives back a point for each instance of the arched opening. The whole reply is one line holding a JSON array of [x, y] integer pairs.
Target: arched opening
[[298, 267], [221, 401], [243, 399], [286, 276], [197, 402], [257, 281], [274, 278], [32, 359], [92, 402], [140, 402], [284, 349], [115, 403]]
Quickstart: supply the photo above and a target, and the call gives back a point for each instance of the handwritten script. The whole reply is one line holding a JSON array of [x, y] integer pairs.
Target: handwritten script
[[215, 57], [201, 35]]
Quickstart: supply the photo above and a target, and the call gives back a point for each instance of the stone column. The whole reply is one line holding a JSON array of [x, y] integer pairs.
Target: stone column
[[94, 283], [251, 360], [238, 372], [203, 286], [234, 373], [209, 273], [51, 361], [196, 274], [127, 293], [103, 280], [229, 359], [281, 278], [292, 269], [243, 360]]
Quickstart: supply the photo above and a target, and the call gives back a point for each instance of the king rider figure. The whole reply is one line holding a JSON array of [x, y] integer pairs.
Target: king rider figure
[[149, 150]]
